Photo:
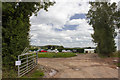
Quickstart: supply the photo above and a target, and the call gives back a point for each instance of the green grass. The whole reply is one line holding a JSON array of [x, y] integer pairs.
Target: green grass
[[54, 55], [37, 73], [102, 56], [117, 64], [115, 54]]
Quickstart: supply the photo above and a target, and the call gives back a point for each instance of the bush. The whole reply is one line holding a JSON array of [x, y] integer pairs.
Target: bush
[[9, 73], [116, 54]]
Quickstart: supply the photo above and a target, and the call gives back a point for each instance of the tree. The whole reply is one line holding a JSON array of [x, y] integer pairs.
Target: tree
[[102, 18], [16, 27]]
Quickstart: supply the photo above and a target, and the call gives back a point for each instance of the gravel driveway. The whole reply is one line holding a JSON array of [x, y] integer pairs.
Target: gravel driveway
[[81, 66]]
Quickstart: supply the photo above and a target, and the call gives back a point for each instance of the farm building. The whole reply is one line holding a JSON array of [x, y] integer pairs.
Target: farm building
[[89, 50]]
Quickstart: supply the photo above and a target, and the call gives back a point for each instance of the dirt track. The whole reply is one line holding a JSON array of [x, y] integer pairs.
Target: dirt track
[[81, 66]]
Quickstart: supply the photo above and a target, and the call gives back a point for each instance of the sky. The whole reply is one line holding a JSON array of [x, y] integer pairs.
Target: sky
[[64, 24]]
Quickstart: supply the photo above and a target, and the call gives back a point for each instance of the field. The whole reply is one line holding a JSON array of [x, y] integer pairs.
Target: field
[[56, 55]]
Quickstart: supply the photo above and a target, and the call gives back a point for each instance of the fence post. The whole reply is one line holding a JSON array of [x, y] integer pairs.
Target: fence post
[[18, 67]]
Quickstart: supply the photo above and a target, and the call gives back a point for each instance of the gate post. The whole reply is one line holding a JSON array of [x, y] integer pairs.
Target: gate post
[[36, 58], [27, 62], [18, 67]]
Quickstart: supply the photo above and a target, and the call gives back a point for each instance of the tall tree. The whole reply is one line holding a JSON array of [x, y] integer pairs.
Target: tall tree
[[102, 18], [16, 27]]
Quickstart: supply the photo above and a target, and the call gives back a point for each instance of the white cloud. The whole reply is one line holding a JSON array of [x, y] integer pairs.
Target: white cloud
[[44, 24], [58, 15], [60, 12], [114, 1], [76, 21]]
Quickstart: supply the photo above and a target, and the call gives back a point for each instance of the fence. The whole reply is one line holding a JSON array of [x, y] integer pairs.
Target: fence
[[28, 62]]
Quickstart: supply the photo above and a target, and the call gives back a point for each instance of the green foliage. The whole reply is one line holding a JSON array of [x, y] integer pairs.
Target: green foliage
[[116, 54], [16, 27], [102, 18], [117, 18], [55, 55], [60, 50], [79, 50], [33, 49], [11, 73], [52, 47]]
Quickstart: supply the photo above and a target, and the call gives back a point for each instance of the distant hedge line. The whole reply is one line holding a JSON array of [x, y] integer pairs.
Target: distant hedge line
[[79, 50]]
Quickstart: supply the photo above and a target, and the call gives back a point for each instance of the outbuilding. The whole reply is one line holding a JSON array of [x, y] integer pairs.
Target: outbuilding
[[89, 50]]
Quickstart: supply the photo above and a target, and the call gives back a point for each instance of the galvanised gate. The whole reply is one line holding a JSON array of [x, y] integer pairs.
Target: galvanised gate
[[28, 61]]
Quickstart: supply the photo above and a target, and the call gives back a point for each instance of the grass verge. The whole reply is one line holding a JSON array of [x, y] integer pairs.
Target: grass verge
[[117, 64], [114, 54], [35, 73], [56, 55], [11, 73], [8, 73]]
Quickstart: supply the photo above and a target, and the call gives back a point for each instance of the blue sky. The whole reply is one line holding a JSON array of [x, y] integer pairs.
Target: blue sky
[[64, 24], [78, 16], [72, 27]]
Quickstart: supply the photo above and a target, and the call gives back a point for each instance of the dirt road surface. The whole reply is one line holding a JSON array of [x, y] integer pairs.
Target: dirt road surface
[[81, 66]]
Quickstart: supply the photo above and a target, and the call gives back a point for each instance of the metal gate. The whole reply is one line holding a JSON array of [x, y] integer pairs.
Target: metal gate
[[27, 62]]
